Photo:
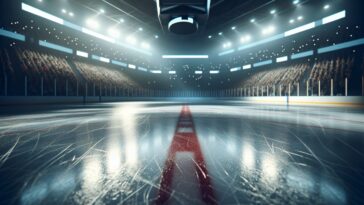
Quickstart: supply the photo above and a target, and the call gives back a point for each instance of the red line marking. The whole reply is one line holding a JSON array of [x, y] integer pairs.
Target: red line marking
[[185, 142]]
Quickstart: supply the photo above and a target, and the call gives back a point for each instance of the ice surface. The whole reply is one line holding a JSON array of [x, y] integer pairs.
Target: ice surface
[[115, 154]]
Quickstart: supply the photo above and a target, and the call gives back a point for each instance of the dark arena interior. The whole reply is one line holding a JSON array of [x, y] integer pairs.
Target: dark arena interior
[[109, 102]]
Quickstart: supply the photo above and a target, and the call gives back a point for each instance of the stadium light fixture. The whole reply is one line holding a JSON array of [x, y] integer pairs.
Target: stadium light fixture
[[252, 20], [82, 54], [156, 36], [245, 39], [71, 14], [226, 52], [226, 45], [98, 35], [220, 33], [38, 12], [185, 56], [291, 21], [282, 59], [248, 66], [214, 71], [27, 8], [300, 18], [156, 71], [172, 72], [235, 69], [295, 2], [273, 11], [233, 28], [142, 69], [131, 66], [300, 29], [198, 72], [102, 11], [131, 40], [64, 11], [334, 17], [145, 45], [113, 32], [209, 37], [105, 60], [268, 30], [92, 23], [327, 6]]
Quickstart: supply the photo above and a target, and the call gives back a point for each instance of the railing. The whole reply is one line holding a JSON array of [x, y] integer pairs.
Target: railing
[[30, 86]]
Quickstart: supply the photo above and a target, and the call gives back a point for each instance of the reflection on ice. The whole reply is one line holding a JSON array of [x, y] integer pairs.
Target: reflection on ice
[[124, 128], [248, 157], [269, 167], [113, 158], [119, 159], [92, 175]]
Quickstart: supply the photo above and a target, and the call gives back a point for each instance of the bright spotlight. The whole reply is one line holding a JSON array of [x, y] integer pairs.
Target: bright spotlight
[[327, 6], [92, 23], [291, 21], [131, 40], [156, 36], [121, 20], [209, 37], [71, 14], [145, 45], [233, 28], [300, 18], [268, 30], [273, 11], [102, 11], [64, 11], [226, 45], [252, 20], [295, 2], [245, 39], [220, 33], [140, 29], [113, 32]]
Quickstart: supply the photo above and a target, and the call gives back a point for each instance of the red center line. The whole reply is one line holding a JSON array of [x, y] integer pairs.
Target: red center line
[[185, 140]]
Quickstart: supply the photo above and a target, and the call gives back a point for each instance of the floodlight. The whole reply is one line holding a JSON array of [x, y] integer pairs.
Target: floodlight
[[268, 30], [327, 6], [233, 28], [220, 33], [64, 11], [245, 39], [226, 45], [92, 23], [131, 40], [296, 2], [273, 11], [252, 20], [145, 45], [113, 32]]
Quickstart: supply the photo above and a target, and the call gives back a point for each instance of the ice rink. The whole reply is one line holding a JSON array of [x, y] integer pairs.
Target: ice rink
[[179, 153]]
